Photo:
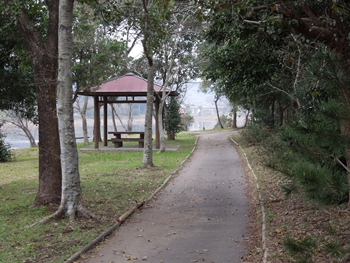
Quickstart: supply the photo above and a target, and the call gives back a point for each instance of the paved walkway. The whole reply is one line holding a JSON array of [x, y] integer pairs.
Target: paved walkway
[[200, 216]]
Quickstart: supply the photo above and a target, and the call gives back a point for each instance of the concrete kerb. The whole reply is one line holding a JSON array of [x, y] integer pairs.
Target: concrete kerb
[[122, 218], [262, 207]]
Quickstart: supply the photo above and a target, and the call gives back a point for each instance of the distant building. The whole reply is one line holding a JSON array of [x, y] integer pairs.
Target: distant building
[[208, 109]]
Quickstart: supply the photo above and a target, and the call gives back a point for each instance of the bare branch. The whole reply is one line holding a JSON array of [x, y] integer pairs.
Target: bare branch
[[262, 21], [283, 91], [251, 10], [133, 43], [295, 85], [341, 163]]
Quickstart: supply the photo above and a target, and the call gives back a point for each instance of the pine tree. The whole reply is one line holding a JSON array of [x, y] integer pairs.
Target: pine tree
[[311, 148], [172, 122]]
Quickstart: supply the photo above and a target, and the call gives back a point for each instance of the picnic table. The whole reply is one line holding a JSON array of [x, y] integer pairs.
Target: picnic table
[[119, 138]]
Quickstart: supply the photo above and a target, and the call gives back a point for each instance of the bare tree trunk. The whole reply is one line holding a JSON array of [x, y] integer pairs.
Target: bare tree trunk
[[162, 146], [71, 201], [25, 129], [130, 118], [246, 118], [22, 123], [84, 122], [234, 120], [82, 111], [113, 117], [217, 111], [44, 56], [147, 152], [345, 131], [115, 113]]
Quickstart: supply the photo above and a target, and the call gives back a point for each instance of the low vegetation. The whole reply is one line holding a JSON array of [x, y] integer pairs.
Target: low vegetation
[[298, 229], [112, 181]]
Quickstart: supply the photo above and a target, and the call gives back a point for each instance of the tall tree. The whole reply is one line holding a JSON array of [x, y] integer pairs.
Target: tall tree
[[208, 87], [172, 120], [71, 201], [148, 49], [175, 59], [38, 23], [303, 24], [147, 19], [97, 55]]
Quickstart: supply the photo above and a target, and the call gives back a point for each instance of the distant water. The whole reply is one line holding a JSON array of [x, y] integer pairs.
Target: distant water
[[17, 140], [21, 144], [18, 144]]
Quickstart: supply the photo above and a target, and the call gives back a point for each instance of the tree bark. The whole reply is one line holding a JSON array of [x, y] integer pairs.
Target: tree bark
[[84, 122], [147, 159], [44, 56], [71, 201], [130, 117], [217, 111], [345, 130], [246, 118], [234, 120], [162, 146], [25, 129], [147, 153]]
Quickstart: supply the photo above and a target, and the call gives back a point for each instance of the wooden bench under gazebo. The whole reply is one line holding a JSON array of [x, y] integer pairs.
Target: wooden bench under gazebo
[[128, 88]]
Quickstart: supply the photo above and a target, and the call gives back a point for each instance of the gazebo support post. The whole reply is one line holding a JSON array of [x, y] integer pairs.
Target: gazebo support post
[[105, 120], [157, 146], [121, 87], [96, 122]]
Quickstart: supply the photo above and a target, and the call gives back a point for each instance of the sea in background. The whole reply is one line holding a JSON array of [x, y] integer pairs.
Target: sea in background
[[199, 105], [17, 139]]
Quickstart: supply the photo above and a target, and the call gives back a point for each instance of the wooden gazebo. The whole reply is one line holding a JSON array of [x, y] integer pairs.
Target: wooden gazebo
[[128, 88]]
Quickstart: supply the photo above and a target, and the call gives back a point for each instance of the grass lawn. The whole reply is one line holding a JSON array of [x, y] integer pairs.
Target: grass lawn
[[112, 181]]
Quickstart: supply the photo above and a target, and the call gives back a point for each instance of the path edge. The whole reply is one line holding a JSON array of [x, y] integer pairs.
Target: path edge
[[132, 210]]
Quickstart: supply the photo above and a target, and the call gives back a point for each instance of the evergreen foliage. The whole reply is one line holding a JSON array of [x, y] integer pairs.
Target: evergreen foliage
[[310, 149], [266, 58], [17, 88], [172, 121], [5, 152], [301, 250]]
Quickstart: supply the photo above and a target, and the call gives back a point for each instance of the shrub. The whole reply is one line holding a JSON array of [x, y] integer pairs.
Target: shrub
[[5, 152]]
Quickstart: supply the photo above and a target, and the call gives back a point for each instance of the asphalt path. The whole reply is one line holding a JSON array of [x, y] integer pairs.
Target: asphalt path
[[200, 216]]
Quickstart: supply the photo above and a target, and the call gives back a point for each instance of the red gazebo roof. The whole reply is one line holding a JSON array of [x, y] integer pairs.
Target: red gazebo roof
[[126, 85]]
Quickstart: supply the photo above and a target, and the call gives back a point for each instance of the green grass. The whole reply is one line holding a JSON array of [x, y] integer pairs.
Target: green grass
[[112, 181]]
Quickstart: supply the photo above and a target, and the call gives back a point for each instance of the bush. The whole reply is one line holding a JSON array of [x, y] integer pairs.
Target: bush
[[5, 152], [186, 121], [172, 120], [226, 121], [255, 133], [304, 158]]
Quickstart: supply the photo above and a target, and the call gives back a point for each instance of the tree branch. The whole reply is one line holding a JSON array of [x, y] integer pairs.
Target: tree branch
[[310, 14], [251, 10], [341, 163], [262, 21]]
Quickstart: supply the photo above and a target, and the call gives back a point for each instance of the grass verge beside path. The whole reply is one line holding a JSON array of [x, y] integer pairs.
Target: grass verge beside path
[[112, 181]]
